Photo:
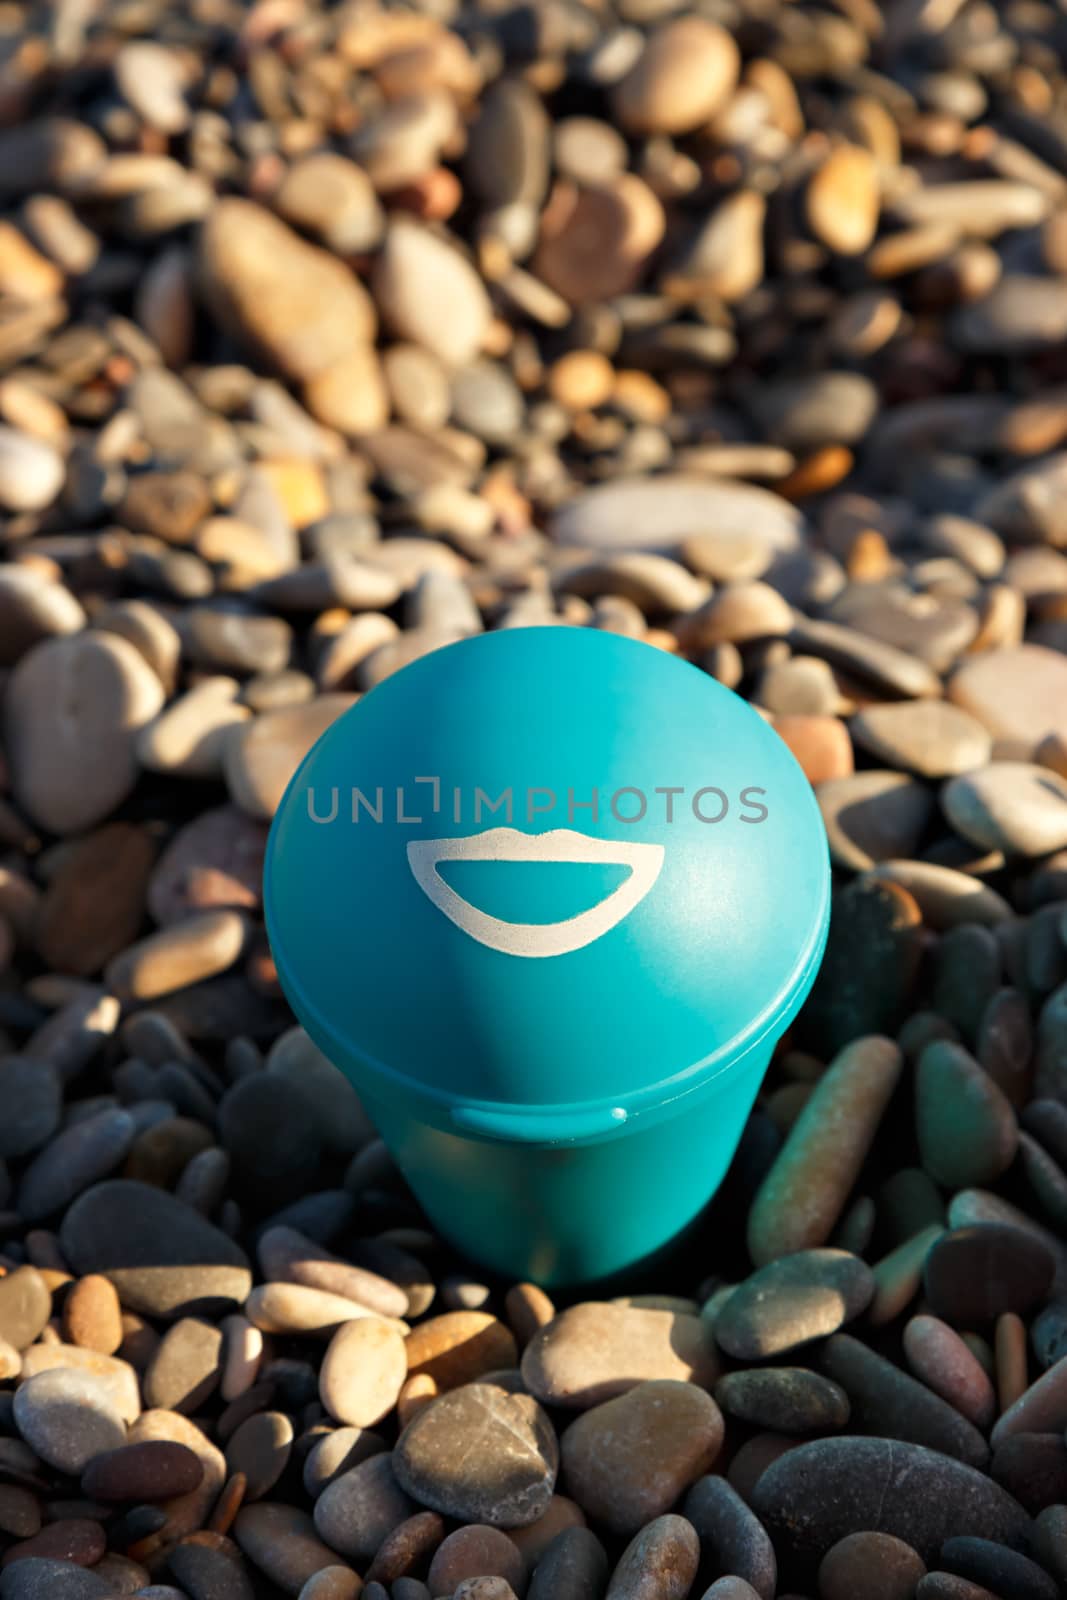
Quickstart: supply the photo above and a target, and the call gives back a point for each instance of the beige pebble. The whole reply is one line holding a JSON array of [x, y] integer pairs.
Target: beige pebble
[[362, 1372]]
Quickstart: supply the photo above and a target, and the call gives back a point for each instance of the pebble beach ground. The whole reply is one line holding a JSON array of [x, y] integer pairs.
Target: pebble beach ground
[[330, 335]]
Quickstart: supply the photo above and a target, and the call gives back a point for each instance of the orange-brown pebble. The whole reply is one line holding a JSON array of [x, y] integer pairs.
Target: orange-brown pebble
[[459, 1346], [1010, 1347], [417, 1391], [229, 1503], [528, 1308], [299, 486], [843, 200], [819, 472], [638, 396], [821, 744], [75, 1539], [92, 1315], [581, 380]]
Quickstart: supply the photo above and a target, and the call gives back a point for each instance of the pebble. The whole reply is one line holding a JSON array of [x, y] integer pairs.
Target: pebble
[[73, 709], [332, 198], [887, 1402], [185, 1369], [75, 1159], [293, 302], [360, 1508], [573, 1567], [660, 1561], [728, 1531], [930, 738], [31, 472], [94, 905], [802, 1197], [661, 513], [259, 1451], [1042, 1408], [943, 1361], [975, 1273], [407, 1548], [460, 1347], [32, 1095], [966, 1127], [805, 1295], [67, 1417], [873, 816], [507, 1482], [984, 1562], [115, 1376], [1018, 693], [879, 1565], [25, 1306], [198, 947], [785, 1399], [206, 1563], [43, 1579], [453, 320], [1011, 806], [288, 1256], [263, 756], [163, 1257], [31, 610], [154, 1470], [843, 200], [362, 1372], [474, 1551], [820, 1492], [280, 1541], [593, 1352], [627, 1461], [685, 72]]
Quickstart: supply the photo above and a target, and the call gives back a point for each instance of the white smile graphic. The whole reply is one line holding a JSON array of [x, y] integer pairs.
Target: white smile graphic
[[507, 844]]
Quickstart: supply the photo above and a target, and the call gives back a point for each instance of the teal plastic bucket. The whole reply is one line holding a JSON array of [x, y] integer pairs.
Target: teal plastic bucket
[[549, 897]]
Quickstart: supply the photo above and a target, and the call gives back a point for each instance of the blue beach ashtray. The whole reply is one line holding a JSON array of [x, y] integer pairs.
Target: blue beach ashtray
[[549, 897]]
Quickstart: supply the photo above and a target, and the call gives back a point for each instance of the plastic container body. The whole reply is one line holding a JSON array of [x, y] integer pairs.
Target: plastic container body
[[573, 1213], [549, 897]]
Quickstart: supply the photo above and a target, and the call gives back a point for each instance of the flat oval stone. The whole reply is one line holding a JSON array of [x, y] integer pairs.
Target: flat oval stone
[[154, 1470], [1011, 806], [573, 1567], [260, 1450], [626, 1461], [73, 710], [732, 1534], [362, 1507], [31, 1094], [164, 1258], [68, 1418], [407, 1548], [185, 1370], [966, 1126], [76, 1158], [1019, 693], [214, 860], [929, 737], [363, 1372], [94, 905], [784, 1399], [25, 1306], [40, 1579], [32, 609], [873, 816], [685, 72], [661, 513], [594, 1351], [800, 1200], [31, 471], [263, 755], [975, 1273], [659, 1561], [506, 1481], [806, 1295], [946, 1364], [818, 1493], [452, 321], [281, 1542]]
